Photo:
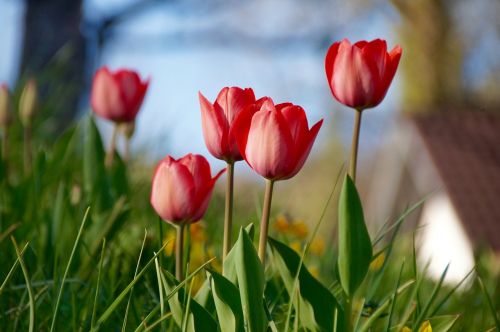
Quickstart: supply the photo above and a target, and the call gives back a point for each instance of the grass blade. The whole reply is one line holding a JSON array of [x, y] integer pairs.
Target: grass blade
[[85, 217], [490, 303], [12, 269], [135, 275], [92, 321], [28, 285]]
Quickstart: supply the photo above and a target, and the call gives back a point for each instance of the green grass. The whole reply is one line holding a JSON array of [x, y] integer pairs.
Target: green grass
[[86, 255]]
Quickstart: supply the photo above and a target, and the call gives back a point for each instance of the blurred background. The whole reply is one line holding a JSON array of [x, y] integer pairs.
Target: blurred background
[[437, 130]]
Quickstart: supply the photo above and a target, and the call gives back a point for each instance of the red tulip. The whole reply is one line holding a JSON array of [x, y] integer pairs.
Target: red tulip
[[217, 120], [359, 75], [117, 96], [275, 140], [182, 188]]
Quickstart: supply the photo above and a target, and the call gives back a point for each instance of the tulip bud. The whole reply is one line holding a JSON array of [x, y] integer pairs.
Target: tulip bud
[[217, 120], [117, 96], [275, 140], [182, 188], [28, 101], [5, 111], [360, 74]]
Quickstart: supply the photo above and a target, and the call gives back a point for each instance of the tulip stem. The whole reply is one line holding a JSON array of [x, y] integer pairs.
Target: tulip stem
[[264, 222], [27, 149], [112, 147], [228, 216], [126, 155], [354, 146], [5, 143], [179, 252]]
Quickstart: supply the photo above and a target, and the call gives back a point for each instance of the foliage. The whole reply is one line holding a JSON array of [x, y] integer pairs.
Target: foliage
[[73, 259]]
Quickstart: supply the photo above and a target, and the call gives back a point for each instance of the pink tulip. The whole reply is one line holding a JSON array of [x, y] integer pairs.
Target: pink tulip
[[359, 75], [275, 140], [182, 188], [117, 96], [217, 120]]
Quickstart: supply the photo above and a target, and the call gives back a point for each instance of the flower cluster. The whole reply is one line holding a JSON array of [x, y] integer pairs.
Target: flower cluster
[[275, 140]]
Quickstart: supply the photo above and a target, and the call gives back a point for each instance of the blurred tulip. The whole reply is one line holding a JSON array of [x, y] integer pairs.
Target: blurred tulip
[[5, 110], [5, 119], [27, 102], [117, 96], [217, 120], [359, 75], [182, 188], [275, 140]]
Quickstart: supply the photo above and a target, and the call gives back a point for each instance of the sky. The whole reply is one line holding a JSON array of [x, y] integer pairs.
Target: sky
[[275, 47]]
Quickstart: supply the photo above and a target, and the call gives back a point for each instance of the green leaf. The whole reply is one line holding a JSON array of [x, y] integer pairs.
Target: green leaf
[[227, 303], [355, 249], [199, 318], [443, 323], [229, 265], [250, 275], [317, 304]]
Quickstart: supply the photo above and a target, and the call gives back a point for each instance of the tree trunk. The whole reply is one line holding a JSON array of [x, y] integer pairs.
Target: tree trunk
[[54, 53]]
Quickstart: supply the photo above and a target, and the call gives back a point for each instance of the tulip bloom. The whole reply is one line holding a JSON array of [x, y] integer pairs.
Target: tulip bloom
[[182, 188], [217, 120], [359, 75], [117, 96], [275, 140]]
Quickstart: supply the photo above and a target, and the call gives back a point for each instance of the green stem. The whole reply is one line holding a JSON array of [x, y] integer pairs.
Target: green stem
[[264, 222], [160, 239], [27, 149], [354, 145], [179, 249], [110, 155], [5, 143], [228, 216], [126, 155]]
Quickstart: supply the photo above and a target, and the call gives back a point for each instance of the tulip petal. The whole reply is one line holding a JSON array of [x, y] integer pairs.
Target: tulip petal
[[241, 126], [106, 98], [215, 127], [297, 122], [173, 191], [204, 196], [199, 168], [353, 83], [269, 149], [305, 147]]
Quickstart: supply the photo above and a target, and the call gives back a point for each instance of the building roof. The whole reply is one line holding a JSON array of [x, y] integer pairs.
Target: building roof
[[465, 148]]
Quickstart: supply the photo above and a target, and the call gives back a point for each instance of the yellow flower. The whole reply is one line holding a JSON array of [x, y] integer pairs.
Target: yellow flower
[[314, 271], [297, 246], [425, 327], [197, 231], [318, 246], [377, 262], [281, 225], [300, 229], [170, 248]]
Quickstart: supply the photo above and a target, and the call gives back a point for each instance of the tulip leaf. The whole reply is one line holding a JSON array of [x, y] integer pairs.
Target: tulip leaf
[[227, 303], [442, 323], [229, 270], [355, 249], [317, 304], [199, 318], [250, 275]]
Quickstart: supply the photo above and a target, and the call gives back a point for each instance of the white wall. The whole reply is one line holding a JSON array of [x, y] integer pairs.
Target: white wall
[[442, 240]]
